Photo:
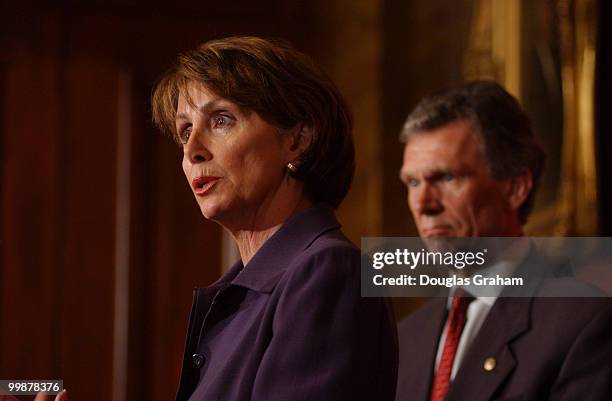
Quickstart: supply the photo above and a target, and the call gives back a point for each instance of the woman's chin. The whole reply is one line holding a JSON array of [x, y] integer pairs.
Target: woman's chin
[[209, 211], [212, 211]]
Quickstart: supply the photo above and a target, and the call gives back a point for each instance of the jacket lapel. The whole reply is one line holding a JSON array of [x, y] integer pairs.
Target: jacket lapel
[[490, 359], [508, 319], [420, 352], [202, 298]]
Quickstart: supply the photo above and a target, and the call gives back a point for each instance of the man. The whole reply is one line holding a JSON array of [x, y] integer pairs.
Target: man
[[472, 167]]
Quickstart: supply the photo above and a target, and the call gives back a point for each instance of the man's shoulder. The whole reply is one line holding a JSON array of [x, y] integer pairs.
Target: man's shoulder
[[570, 311], [565, 295], [424, 313], [568, 287]]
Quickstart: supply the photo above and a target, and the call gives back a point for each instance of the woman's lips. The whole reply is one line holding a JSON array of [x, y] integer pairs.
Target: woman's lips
[[202, 185]]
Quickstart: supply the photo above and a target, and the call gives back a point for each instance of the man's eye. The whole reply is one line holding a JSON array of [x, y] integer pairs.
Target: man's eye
[[184, 134], [413, 182], [448, 177]]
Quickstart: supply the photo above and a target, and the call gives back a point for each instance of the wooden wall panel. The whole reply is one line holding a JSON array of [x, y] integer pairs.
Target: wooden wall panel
[[604, 116], [422, 50], [30, 199], [89, 169]]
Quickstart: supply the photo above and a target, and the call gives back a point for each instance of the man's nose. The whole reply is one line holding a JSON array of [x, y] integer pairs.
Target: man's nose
[[425, 200]]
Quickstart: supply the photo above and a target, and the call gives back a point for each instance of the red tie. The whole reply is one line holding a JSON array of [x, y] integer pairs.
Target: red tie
[[456, 321]]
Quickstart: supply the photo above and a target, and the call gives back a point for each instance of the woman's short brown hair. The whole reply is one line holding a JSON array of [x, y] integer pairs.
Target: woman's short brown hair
[[285, 88]]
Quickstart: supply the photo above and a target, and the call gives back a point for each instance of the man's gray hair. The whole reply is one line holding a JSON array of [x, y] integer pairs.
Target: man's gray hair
[[509, 145]]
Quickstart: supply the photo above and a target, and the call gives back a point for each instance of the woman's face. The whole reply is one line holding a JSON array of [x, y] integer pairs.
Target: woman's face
[[234, 161]]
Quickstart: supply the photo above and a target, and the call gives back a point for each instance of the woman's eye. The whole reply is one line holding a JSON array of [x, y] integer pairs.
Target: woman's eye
[[184, 134], [413, 182], [221, 121], [448, 177]]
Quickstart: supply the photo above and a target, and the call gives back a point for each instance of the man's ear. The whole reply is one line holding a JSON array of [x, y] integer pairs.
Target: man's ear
[[518, 189], [300, 138]]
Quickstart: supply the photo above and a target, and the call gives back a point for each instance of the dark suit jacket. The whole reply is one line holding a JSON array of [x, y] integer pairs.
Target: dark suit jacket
[[292, 324], [545, 349]]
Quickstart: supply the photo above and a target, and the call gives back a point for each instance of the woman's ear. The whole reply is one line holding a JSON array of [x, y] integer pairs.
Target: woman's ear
[[300, 138], [518, 189]]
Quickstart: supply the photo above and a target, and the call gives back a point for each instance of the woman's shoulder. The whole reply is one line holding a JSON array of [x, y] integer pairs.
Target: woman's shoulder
[[328, 266], [329, 240], [331, 253]]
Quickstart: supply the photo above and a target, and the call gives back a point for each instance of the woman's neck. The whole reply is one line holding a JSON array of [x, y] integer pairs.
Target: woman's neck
[[263, 225]]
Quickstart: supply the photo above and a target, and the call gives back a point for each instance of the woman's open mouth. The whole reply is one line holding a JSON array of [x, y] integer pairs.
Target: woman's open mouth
[[202, 185]]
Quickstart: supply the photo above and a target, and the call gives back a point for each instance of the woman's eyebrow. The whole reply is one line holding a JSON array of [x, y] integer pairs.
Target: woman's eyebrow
[[205, 108]]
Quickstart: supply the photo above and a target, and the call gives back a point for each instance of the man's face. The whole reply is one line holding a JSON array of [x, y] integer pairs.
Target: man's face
[[451, 192]]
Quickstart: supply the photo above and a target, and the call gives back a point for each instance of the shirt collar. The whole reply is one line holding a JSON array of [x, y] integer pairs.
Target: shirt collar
[[505, 266], [275, 256]]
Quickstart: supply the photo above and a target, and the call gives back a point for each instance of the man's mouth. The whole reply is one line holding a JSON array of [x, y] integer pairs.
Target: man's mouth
[[436, 231], [202, 185]]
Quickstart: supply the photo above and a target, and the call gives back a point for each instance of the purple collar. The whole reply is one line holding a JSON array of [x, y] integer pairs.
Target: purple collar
[[269, 263]]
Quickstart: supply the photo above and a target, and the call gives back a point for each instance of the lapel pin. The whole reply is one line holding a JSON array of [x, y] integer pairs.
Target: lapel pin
[[489, 364]]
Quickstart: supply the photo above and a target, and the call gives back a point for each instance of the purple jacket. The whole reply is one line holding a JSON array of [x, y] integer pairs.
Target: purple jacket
[[292, 325]]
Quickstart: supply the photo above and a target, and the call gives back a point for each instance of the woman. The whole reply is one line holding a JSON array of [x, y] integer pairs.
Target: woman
[[268, 153]]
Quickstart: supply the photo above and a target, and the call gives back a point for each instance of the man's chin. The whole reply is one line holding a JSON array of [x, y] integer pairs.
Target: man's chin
[[448, 243], [438, 243]]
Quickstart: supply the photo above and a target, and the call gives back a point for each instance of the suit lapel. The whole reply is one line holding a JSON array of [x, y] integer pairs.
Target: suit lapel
[[419, 364], [507, 320]]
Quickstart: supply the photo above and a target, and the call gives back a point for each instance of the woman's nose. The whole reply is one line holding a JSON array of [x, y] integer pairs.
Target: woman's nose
[[196, 150]]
